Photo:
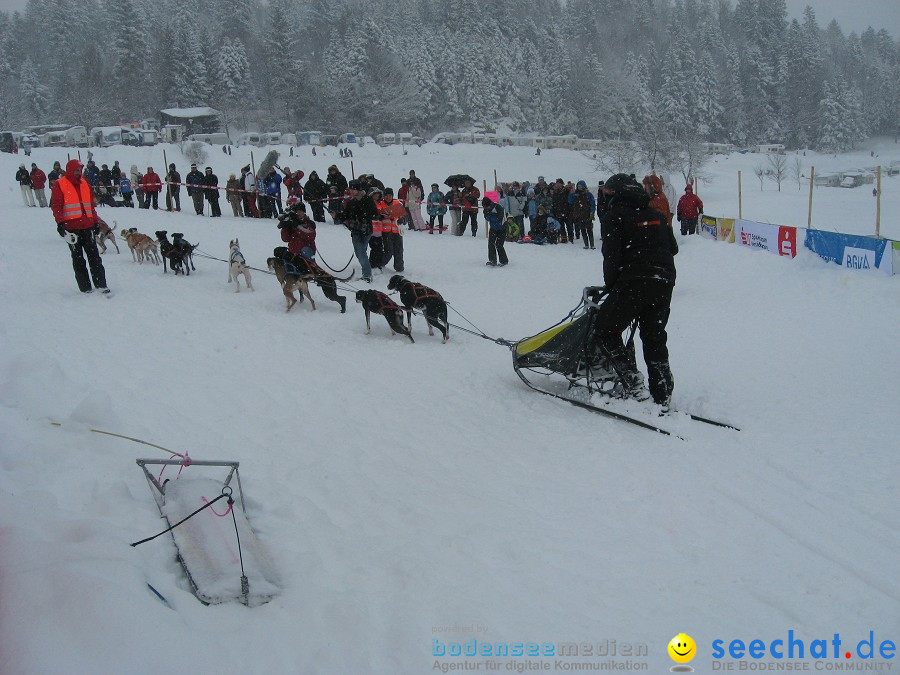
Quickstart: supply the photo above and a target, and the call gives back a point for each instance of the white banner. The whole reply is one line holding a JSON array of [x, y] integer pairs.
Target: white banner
[[776, 239]]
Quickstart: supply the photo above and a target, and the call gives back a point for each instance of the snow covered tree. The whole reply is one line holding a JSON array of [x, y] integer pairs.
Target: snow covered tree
[[35, 96]]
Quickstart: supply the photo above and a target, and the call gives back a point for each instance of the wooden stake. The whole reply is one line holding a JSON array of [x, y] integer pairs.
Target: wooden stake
[[252, 164], [740, 198], [878, 204], [352, 170], [495, 179], [812, 182]]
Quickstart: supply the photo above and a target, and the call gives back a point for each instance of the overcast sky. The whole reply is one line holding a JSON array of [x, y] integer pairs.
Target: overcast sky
[[852, 15]]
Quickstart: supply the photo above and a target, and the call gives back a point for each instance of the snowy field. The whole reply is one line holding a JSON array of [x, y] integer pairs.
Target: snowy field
[[411, 492]]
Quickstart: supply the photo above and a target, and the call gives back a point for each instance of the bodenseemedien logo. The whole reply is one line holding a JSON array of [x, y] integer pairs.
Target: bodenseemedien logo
[[682, 649]]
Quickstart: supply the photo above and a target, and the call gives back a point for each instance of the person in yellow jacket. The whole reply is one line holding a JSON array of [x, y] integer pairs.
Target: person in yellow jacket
[[75, 213]]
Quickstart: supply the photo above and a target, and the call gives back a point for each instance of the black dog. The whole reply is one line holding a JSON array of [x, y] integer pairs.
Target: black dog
[[322, 278], [379, 303], [187, 250], [170, 253], [416, 296]]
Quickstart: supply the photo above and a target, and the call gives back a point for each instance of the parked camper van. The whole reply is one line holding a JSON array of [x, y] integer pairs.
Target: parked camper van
[[385, 140], [77, 137], [104, 137], [289, 139], [7, 142], [272, 138], [251, 138], [347, 138], [54, 139], [770, 148], [212, 139], [309, 138]]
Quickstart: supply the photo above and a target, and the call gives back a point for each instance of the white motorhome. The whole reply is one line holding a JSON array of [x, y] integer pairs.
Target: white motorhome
[[105, 137], [77, 137], [289, 139], [253, 138], [349, 137], [54, 139], [386, 139], [309, 137], [770, 148], [218, 138], [272, 138]]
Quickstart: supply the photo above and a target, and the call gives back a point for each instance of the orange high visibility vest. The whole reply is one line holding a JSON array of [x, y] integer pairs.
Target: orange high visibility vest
[[74, 206]]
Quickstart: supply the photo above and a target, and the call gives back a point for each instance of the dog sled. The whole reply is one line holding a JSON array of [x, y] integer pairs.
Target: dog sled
[[565, 362], [216, 546]]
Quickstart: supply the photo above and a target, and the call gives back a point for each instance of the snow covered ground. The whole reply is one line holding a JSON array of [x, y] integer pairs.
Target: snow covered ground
[[408, 493]]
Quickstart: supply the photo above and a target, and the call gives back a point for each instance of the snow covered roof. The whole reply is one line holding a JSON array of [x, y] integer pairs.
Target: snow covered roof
[[190, 113]]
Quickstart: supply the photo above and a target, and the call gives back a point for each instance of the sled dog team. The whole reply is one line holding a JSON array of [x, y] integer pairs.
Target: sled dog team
[[294, 274]]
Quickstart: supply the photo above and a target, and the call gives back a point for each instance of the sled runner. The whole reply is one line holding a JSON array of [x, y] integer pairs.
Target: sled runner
[[216, 546], [572, 368]]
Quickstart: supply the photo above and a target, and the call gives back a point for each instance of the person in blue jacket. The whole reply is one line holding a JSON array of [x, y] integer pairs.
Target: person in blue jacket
[[273, 191], [436, 208], [496, 220], [126, 190]]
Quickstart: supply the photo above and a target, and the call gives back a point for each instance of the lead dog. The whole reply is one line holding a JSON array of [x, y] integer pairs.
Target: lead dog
[[417, 296], [290, 283], [105, 232], [237, 265], [379, 303]]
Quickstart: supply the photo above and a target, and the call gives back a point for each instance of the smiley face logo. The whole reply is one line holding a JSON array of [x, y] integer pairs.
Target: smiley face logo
[[682, 648]]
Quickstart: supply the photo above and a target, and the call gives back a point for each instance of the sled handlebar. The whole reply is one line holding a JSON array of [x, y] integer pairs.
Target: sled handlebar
[[593, 295]]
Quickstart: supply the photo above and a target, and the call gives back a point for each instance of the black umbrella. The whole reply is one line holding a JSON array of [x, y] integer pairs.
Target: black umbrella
[[457, 179]]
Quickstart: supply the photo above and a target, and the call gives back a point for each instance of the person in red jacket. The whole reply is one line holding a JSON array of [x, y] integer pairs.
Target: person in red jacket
[[690, 208], [38, 180], [76, 217], [152, 185], [298, 231], [469, 196]]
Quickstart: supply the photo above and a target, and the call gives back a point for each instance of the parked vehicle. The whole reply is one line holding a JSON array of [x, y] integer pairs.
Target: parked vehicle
[[77, 137], [54, 139], [309, 138], [347, 138], [7, 142], [289, 139], [251, 138], [212, 139], [272, 138]]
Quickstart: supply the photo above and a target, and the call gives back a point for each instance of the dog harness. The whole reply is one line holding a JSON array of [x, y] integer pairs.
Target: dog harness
[[384, 303], [422, 293], [238, 257]]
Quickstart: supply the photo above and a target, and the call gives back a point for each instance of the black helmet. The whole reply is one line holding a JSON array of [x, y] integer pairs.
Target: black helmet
[[354, 185], [623, 186]]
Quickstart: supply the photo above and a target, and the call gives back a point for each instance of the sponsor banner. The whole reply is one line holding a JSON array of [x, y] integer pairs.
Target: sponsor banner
[[851, 251], [726, 229], [709, 228], [778, 239]]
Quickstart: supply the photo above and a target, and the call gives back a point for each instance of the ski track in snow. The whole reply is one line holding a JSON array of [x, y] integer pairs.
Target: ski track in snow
[[400, 487]]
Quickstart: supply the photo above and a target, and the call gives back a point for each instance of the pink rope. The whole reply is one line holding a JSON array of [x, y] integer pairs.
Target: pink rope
[[221, 515]]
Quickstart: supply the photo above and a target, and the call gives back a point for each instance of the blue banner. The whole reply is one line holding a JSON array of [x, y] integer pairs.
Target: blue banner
[[850, 250]]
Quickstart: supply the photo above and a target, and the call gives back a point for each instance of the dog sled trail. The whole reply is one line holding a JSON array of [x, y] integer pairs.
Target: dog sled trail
[[570, 369], [214, 557]]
